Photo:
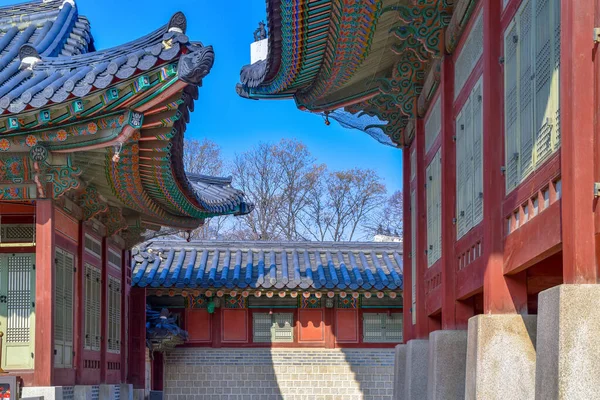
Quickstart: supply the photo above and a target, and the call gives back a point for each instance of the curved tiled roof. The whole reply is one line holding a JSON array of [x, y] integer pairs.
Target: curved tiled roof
[[269, 265], [217, 196], [49, 58]]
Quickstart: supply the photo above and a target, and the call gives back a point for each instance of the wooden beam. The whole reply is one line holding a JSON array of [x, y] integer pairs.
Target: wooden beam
[[44, 290], [448, 198], [577, 109], [500, 295], [137, 338], [407, 332]]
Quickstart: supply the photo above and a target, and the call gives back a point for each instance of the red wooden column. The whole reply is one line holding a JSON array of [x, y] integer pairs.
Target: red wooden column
[[44, 293], [422, 328], [79, 307], [137, 338], [103, 309], [500, 294], [577, 109], [407, 331], [125, 290], [448, 196]]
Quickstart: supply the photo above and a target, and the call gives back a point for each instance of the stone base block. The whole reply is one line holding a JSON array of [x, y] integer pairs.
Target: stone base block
[[415, 383], [447, 365], [45, 392], [139, 394], [501, 357], [568, 343], [82, 392], [126, 392], [399, 371]]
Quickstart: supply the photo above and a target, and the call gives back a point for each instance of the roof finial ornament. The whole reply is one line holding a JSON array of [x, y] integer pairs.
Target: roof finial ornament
[[71, 2], [28, 56], [260, 33], [196, 64], [178, 23]]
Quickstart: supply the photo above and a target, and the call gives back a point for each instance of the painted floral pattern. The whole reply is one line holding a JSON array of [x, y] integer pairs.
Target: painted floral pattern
[[61, 135], [4, 145], [31, 140]]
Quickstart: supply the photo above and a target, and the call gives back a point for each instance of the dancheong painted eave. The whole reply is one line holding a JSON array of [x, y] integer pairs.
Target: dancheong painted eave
[[302, 266], [348, 59], [104, 127]]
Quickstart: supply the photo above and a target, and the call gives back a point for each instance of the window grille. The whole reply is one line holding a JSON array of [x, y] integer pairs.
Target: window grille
[[382, 327], [63, 308], [273, 328], [93, 246], [93, 285], [531, 88], [114, 315]]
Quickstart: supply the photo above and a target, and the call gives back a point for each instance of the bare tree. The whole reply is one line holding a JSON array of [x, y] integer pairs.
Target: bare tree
[[298, 176], [259, 175], [204, 158], [388, 219]]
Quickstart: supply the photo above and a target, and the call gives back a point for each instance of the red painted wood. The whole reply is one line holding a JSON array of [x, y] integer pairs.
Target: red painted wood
[[158, 370], [500, 295], [311, 325], [406, 261], [329, 328], [433, 288], [216, 328], [448, 259], [346, 326], [103, 310], [66, 225], [44, 289], [577, 132], [234, 326], [112, 363], [469, 280], [137, 338], [198, 325], [537, 239], [534, 183], [126, 285], [437, 142], [422, 328], [79, 308]]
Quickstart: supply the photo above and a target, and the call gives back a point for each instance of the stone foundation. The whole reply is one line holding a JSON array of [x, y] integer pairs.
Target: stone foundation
[[447, 365], [399, 371], [501, 357], [290, 374], [415, 383], [80, 392], [568, 343]]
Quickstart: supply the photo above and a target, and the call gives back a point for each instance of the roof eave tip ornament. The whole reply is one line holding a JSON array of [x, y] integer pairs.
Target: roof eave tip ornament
[[71, 2], [196, 64], [178, 23], [29, 57]]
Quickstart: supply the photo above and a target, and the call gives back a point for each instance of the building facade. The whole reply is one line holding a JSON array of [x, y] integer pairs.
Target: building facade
[[326, 309], [493, 103], [90, 159]]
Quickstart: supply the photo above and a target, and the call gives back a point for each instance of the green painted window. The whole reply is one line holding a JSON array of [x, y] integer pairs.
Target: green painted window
[[17, 310], [382, 327], [469, 162], [273, 328], [434, 209], [63, 308], [114, 315], [531, 88], [93, 284]]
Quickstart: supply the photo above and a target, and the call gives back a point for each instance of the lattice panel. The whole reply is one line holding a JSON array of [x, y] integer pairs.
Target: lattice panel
[[469, 55], [92, 307], [19, 299], [114, 259], [17, 233], [93, 246], [433, 125], [117, 393], [114, 315], [68, 393], [382, 328], [283, 324], [261, 326]]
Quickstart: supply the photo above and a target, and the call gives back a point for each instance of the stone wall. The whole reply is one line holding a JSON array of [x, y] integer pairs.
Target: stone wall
[[270, 374]]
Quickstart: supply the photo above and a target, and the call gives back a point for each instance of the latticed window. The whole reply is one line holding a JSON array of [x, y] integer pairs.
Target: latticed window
[[531, 88], [114, 315], [17, 310], [114, 259], [93, 284], [273, 328], [93, 246], [434, 209], [469, 162], [382, 327], [63, 308]]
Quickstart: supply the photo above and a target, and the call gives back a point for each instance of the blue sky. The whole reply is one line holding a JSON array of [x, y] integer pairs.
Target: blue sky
[[220, 115]]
